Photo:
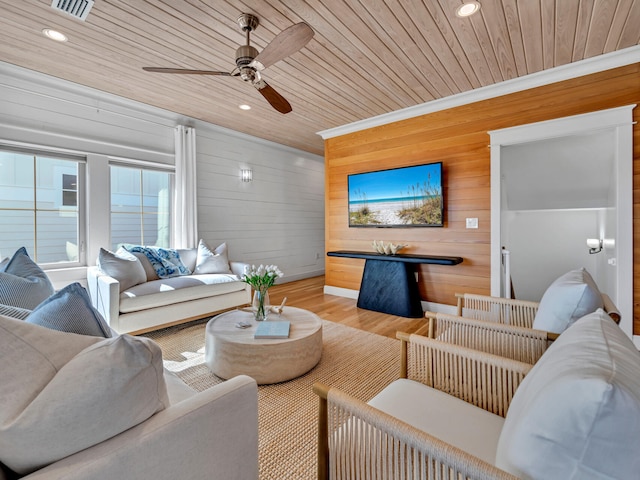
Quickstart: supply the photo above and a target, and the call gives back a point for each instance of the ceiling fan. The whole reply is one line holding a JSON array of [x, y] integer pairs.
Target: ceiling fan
[[249, 63]]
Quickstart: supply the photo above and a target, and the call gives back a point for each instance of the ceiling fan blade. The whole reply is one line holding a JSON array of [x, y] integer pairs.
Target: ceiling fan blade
[[284, 44], [276, 100], [184, 71]]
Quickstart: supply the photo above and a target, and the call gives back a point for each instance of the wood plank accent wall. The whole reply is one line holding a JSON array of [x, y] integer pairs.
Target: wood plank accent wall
[[458, 137]]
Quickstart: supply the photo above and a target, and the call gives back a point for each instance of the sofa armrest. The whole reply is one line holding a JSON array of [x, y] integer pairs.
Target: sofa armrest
[[105, 295], [238, 268], [482, 379], [213, 435]]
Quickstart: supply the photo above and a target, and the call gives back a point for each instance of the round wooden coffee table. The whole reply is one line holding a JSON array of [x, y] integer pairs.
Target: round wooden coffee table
[[231, 351]]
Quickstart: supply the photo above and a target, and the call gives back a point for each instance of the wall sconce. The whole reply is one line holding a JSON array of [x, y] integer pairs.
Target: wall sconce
[[595, 245], [246, 175]]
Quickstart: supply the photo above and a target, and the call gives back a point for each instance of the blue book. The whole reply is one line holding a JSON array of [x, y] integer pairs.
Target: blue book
[[268, 329]]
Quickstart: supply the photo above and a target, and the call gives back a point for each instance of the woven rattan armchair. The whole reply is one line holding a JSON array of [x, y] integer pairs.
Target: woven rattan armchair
[[358, 441], [500, 326], [511, 311]]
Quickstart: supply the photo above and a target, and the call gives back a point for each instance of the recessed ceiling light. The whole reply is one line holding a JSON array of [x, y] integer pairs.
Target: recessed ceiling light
[[467, 9], [244, 107], [55, 35]]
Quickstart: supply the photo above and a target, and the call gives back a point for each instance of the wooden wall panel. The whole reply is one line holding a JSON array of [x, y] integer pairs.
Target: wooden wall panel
[[458, 137]]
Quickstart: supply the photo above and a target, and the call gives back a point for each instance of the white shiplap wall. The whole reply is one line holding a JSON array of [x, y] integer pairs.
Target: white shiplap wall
[[278, 218]]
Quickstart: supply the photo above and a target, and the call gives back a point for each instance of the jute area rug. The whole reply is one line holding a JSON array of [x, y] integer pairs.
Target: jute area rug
[[358, 362]]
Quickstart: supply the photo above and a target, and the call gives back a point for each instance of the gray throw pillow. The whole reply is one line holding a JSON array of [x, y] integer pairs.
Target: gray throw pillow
[[23, 283], [70, 310], [123, 266]]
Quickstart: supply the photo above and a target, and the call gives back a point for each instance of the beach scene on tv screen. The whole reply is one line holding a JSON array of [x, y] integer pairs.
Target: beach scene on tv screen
[[409, 196]]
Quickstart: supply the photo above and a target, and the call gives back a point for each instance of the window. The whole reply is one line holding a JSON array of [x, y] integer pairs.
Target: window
[[39, 207], [140, 206]]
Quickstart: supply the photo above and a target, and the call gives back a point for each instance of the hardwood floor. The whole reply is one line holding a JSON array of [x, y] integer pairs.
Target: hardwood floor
[[308, 294]]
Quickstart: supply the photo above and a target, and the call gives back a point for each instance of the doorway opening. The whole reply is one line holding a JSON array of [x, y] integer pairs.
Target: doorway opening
[[555, 185]]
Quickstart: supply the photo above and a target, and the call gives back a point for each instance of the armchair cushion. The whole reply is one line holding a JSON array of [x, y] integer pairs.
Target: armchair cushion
[[23, 283], [570, 297], [70, 310], [81, 390], [123, 266], [447, 418], [208, 261], [577, 413]]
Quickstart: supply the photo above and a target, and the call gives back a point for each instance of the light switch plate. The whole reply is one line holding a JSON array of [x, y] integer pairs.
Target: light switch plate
[[472, 223]]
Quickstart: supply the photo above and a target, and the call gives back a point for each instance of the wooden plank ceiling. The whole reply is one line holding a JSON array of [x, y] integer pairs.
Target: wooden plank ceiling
[[368, 57]]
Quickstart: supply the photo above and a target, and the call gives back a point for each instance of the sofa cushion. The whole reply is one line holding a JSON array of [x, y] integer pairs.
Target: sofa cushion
[[570, 297], [208, 261], [23, 283], [70, 310], [169, 291], [81, 390], [123, 266], [448, 418], [577, 412]]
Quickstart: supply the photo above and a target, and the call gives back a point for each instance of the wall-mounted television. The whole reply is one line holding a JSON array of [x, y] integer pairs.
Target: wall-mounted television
[[398, 197]]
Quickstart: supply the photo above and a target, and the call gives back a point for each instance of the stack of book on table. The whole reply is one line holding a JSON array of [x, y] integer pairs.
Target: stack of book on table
[[266, 329]]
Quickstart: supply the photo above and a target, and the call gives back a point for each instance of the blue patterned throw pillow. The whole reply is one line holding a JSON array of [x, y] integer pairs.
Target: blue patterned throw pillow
[[70, 310], [23, 283], [165, 261]]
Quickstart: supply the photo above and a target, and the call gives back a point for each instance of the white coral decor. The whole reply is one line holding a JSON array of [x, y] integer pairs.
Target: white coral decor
[[387, 249]]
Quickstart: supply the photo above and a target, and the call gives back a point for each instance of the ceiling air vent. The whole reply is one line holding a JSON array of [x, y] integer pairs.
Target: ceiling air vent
[[76, 8]]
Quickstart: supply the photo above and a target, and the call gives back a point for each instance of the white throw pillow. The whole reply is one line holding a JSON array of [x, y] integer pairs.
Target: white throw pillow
[[23, 283], [215, 261], [570, 297], [577, 413], [70, 310], [65, 392], [123, 266]]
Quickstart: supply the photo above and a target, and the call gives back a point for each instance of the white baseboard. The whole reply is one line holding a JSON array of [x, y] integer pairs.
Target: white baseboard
[[426, 306], [341, 292]]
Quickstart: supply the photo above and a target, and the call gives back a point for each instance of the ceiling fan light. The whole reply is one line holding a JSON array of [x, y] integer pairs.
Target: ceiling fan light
[[54, 35], [467, 9]]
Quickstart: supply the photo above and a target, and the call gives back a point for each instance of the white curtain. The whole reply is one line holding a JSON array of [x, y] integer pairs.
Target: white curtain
[[185, 211]]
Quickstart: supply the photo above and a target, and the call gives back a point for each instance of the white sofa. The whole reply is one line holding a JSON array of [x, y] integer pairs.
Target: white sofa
[[158, 303], [90, 408], [212, 434]]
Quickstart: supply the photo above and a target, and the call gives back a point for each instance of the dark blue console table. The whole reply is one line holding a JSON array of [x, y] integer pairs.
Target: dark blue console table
[[389, 283]]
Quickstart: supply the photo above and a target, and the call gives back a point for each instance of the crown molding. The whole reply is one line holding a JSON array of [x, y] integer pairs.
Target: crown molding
[[588, 66]]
